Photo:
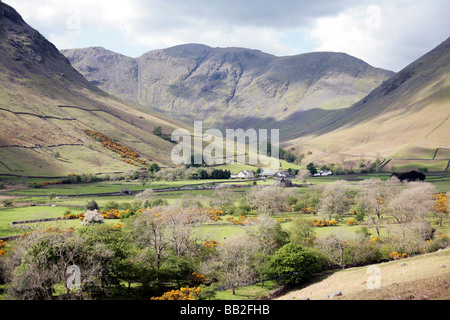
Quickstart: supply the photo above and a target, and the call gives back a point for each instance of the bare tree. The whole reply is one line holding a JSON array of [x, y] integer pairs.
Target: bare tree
[[148, 232], [336, 199], [234, 264], [168, 228], [412, 204], [222, 197], [373, 198], [182, 225], [303, 175], [334, 247], [268, 200], [268, 233], [347, 249], [147, 194]]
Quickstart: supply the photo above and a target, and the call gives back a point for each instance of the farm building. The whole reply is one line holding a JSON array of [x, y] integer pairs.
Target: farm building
[[323, 173]]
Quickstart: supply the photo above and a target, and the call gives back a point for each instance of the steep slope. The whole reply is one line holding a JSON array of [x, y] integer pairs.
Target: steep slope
[[231, 87], [417, 278], [46, 106], [406, 119]]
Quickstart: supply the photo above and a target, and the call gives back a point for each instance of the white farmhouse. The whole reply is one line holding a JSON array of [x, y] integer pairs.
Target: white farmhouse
[[323, 173]]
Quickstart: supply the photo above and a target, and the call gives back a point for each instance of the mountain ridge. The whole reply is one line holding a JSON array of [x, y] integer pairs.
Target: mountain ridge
[[222, 86], [405, 119]]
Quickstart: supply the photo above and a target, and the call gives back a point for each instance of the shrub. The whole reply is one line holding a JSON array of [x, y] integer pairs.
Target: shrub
[[147, 194], [293, 264], [36, 185], [127, 214], [110, 205], [181, 294], [155, 203], [92, 217], [92, 205], [7, 203]]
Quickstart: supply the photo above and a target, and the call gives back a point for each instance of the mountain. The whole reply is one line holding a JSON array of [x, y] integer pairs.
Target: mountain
[[48, 108], [405, 121], [231, 87]]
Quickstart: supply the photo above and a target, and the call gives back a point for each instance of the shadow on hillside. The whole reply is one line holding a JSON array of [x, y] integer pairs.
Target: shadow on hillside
[[300, 123], [319, 277]]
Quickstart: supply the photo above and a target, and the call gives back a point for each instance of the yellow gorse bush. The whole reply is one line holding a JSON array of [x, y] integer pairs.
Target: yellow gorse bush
[[211, 244], [126, 153], [324, 223], [197, 279], [181, 294], [2, 245], [242, 220], [396, 256], [440, 204]]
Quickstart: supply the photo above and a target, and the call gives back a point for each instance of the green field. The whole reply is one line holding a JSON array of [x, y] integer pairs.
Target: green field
[[29, 213]]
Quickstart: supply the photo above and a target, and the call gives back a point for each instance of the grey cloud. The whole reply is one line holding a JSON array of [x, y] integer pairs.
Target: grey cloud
[[262, 13]]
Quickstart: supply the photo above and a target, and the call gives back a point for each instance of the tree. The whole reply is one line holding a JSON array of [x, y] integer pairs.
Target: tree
[[112, 241], [52, 196], [302, 232], [92, 205], [412, 204], [303, 175], [148, 232], [373, 198], [269, 234], [7, 203], [268, 199], [222, 197], [234, 264], [348, 249], [335, 199], [441, 206], [41, 260], [182, 225], [147, 194], [311, 167], [293, 264], [153, 168], [309, 199], [158, 131]]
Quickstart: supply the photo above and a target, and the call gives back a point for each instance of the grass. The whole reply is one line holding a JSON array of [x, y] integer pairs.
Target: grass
[[420, 277], [223, 233], [251, 292], [28, 213]]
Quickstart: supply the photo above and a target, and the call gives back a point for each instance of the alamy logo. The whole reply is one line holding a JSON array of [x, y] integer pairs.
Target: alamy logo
[[74, 280], [374, 281], [211, 147]]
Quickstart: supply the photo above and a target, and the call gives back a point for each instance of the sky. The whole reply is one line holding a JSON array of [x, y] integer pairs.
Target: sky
[[386, 34]]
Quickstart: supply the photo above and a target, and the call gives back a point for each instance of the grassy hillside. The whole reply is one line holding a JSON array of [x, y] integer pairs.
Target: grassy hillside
[[45, 106], [406, 119], [418, 278]]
